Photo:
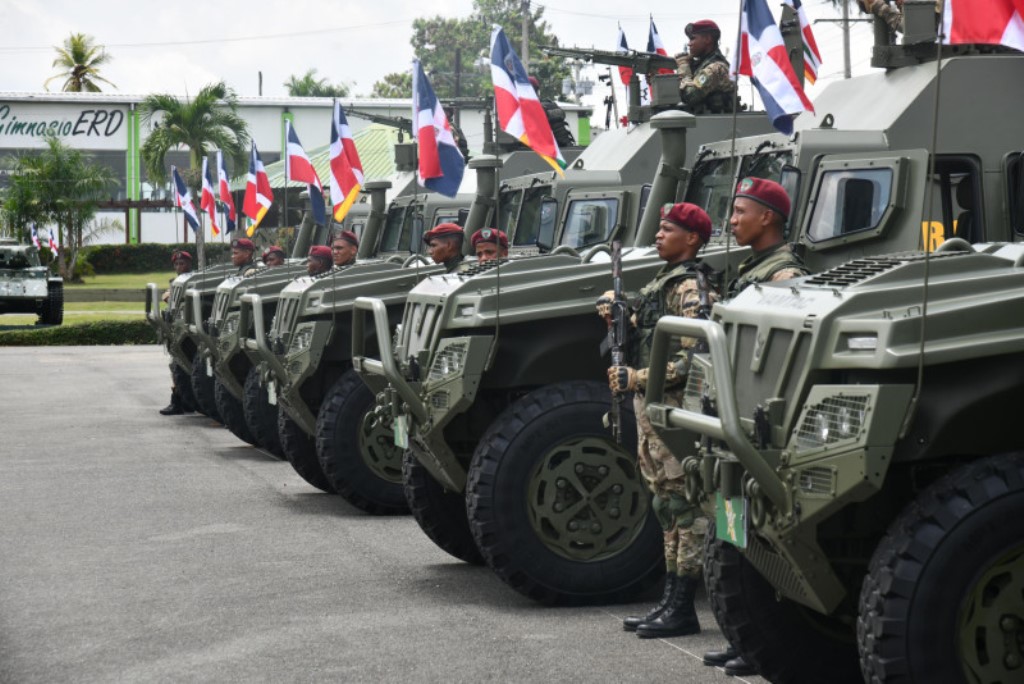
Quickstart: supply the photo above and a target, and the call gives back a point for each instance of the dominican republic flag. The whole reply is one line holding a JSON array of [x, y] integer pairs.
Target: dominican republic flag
[[299, 168], [625, 73], [441, 164], [35, 236], [53, 239], [655, 45], [225, 191], [986, 22], [520, 113], [346, 168], [763, 57], [258, 195], [183, 199], [812, 58], [207, 202]]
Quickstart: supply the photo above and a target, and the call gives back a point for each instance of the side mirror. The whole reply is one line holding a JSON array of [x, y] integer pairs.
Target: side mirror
[[546, 230]]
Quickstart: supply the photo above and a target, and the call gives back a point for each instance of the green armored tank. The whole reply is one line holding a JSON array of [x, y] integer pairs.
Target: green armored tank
[[851, 432], [26, 286]]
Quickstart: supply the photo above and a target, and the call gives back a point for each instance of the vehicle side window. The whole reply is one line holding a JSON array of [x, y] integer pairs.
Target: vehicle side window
[[589, 222], [645, 194], [1015, 191], [849, 202]]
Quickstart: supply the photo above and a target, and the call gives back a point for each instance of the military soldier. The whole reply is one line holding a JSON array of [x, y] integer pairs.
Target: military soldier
[[556, 118], [892, 16], [319, 260], [242, 250], [344, 247], [182, 262], [444, 244], [684, 229], [489, 244], [704, 83], [273, 256], [760, 211]]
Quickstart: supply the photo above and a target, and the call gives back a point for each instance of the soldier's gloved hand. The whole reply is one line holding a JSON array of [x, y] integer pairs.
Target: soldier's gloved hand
[[604, 305], [868, 5], [622, 379]]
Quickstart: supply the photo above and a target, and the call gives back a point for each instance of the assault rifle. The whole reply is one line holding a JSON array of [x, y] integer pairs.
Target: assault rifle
[[704, 274], [640, 62], [400, 122], [617, 335]]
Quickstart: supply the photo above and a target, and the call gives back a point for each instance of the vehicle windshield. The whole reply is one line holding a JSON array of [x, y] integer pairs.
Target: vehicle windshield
[[528, 225], [711, 185], [509, 202], [768, 165], [590, 222], [397, 230]]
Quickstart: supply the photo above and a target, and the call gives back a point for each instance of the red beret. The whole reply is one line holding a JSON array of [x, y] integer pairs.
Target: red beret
[[490, 235], [443, 230], [688, 216], [243, 243], [766, 192], [347, 236], [273, 249], [320, 252], [703, 26], [181, 254]]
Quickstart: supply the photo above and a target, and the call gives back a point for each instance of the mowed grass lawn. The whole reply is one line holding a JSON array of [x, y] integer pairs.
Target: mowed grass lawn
[[91, 312], [125, 281]]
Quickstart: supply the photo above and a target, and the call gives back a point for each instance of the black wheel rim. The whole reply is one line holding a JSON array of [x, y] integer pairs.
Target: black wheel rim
[[991, 624], [378, 450]]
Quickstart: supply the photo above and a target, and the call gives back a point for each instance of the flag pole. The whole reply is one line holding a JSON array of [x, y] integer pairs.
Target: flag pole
[[287, 174], [735, 124]]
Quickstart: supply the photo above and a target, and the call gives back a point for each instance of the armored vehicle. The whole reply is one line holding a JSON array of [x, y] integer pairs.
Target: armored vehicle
[[849, 431], [26, 286]]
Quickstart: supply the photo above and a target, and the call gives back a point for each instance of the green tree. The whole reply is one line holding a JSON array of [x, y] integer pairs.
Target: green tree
[[79, 61], [311, 86], [394, 85], [202, 124], [62, 188]]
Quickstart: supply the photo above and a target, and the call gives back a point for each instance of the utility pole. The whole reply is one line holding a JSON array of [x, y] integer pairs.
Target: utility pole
[[458, 84], [845, 23], [525, 53]]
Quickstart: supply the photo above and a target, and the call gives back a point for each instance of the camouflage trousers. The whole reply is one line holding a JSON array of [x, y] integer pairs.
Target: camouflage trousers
[[682, 523]]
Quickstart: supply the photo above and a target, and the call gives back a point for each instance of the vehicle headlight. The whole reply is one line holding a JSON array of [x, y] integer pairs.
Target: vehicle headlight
[[302, 339], [450, 360], [832, 420]]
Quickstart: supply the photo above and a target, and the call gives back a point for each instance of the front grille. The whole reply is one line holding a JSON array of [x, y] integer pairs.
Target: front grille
[[818, 481], [775, 375], [439, 400], [221, 302], [859, 270], [418, 326], [284, 320]]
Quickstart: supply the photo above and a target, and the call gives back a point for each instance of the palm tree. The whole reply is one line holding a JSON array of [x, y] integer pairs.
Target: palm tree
[[311, 86], [79, 61], [207, 122]]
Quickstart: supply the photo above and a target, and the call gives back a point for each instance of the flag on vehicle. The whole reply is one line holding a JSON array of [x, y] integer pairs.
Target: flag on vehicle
[[207, 202], [299, 168], [655, 45], [346, 168], [54, 239], [35, 236], [812, 58], [520, 113], [986, 22], [625, 72], [183, 199], [258, 195], [225, 192], [441, 164], [762, 56]]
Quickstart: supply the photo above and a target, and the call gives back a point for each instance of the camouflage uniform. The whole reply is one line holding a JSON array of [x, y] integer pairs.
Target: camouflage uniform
[[704, 83], [772, 265], [673, 292]]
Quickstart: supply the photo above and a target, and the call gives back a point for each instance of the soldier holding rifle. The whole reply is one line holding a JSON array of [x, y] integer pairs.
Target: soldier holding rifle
[[684, 229]]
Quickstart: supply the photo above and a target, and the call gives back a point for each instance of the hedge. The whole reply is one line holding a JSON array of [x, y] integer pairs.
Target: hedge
[[98, 333], [147, 257]]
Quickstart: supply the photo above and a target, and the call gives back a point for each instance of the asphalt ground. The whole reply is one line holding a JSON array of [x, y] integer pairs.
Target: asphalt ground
[[139, 548]]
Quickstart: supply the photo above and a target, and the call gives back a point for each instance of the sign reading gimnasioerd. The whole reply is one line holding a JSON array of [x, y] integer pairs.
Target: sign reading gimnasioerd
[[88, 126]]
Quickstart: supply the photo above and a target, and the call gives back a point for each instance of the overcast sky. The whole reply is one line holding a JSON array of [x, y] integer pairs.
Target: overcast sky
[[179, 46]]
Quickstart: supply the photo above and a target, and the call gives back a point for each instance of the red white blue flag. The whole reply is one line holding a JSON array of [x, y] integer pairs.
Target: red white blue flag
[[812, 58], [54, 243], [183, 199], [520, 113], [35, 236], [763, 57], [258, 195], [225, 192], [207, 201], [346, 168], [441, 164], [655, 45], [625, 72], [985, 22], [299, 168]]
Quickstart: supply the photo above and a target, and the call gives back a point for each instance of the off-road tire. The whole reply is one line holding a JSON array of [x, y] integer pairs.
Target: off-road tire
[[202, 388], [182, 381], [230, 410], [52, 310], [300, 450], [945, 584], [441, 514], [789, 644], [261, 415], [538, 436], [342, 450]]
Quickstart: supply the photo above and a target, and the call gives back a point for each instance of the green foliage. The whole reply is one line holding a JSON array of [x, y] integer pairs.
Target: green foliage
[[146, 258], [394, 85], [100, 333], [311, 86], [79, 61]]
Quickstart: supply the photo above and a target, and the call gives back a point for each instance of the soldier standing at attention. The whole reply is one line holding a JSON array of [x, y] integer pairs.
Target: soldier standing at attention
[[242, 250], [489, 244], [344, 247], [704, 83], [273, 256], [182, 263], [760, 211], [683, 231], [444, 244]]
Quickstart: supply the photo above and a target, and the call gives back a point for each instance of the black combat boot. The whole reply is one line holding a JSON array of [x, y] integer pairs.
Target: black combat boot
[[174, 408], [720, 658], [738, 667], [631, 623], [679, 618]]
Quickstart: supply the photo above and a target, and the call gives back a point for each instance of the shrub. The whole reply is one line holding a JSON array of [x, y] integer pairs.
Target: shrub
[[147, 257], [98, 333]]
